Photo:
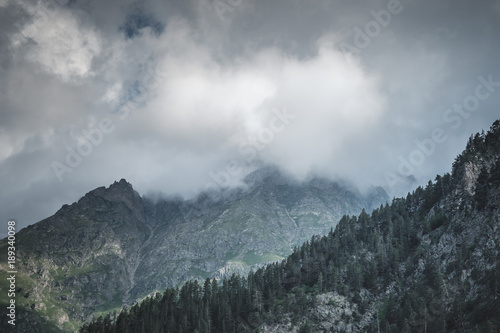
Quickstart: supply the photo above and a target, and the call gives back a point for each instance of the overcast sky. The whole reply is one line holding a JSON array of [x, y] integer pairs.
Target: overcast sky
[[178, 96]]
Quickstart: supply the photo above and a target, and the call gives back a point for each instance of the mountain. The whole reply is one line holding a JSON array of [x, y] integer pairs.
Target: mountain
[[114, 247], [429, 262]]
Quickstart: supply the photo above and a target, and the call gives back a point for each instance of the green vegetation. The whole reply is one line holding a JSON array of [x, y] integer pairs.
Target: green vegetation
[[251, 258], [388, 255]]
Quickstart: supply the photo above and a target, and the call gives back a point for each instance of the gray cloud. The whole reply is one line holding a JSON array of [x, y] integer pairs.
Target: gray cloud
[[197, 91]]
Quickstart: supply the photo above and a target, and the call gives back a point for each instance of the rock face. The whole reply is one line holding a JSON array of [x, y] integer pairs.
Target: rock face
[[113, 246], [467, 254], [448, 282], [330, 312]]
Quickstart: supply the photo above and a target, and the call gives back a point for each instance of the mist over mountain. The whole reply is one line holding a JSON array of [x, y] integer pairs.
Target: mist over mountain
[[148, 146], [165, 92], [428, 262], [113, 247]]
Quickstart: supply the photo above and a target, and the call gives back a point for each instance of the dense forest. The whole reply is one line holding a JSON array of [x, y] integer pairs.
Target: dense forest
[[390, 264]]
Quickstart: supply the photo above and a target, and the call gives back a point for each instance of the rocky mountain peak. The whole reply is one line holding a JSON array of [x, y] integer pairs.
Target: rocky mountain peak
[[269, 174], [122, 184], [425, 263], [113, 246], [121, 191]]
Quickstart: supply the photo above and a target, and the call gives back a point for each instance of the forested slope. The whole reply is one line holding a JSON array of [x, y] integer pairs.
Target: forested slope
[[426, 263]]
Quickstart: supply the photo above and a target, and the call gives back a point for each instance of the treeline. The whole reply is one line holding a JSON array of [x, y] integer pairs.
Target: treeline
[[336, 262], [368, 252], [482, 146]]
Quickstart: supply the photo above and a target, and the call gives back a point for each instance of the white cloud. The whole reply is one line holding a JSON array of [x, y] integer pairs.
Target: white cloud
[[201, 103], [217, 86], [63, 46]]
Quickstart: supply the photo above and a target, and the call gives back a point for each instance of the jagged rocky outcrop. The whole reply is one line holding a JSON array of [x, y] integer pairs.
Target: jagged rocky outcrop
[[113, 246], [448, 282], [429, 262]]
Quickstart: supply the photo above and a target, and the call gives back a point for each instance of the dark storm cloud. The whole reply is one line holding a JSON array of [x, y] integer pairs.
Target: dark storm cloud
[[12, 17], [138, 20], [192, 91]]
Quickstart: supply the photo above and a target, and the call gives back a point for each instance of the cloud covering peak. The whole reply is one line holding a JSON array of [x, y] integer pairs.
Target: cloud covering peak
[[178, 96]]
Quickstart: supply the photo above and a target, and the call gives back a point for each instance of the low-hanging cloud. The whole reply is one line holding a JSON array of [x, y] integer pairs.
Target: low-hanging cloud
[[186, 95], [202, 106]]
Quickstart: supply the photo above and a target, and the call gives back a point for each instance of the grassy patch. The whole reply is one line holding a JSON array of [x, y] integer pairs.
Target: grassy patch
[[198, 272], [251, 258]]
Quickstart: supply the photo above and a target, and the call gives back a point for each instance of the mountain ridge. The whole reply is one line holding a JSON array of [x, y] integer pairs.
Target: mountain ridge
[[114, 246], [429, 262]]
